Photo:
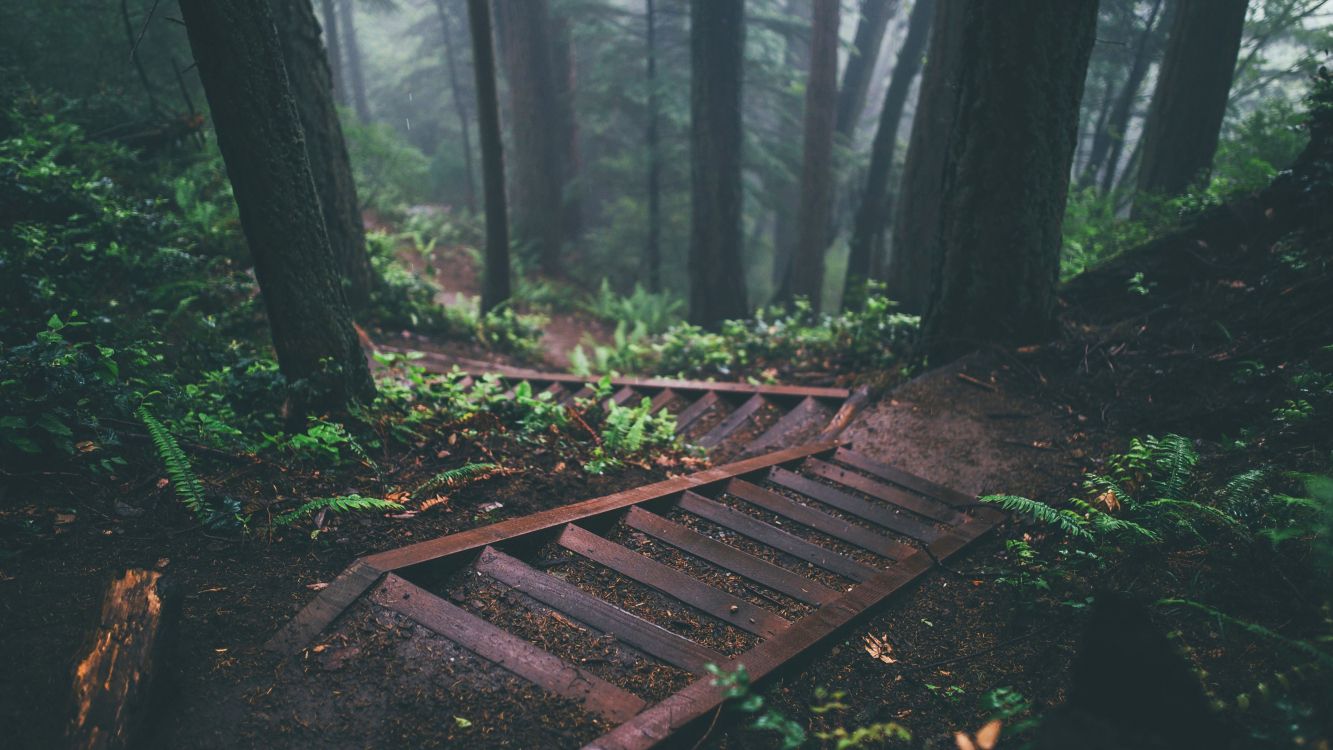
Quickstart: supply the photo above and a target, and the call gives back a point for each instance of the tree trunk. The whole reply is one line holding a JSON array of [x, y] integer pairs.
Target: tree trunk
[[916, 218], [538, 189], [717, 44], [653, 253], [565, 69], [856, 75], [311, 84], [114, 681], [821, 93], [1006, 175], [1185, 118], [239, 57], [460, 106], [347, 17], [1109, 142], [495, 284], [333, 40], [872, 213], [796, 57]]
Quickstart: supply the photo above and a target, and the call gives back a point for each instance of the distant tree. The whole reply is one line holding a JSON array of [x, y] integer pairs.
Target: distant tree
[[653, 250], [1190, 101], [796, 58], [537, 138], [821, 93], [916, 217], [565, 69], [1006, 174], [311, 86], [874, 19], [355, 77], [333, 40], [717, 278], [239, 58], [874, 210], [460, 102], [495, 284]]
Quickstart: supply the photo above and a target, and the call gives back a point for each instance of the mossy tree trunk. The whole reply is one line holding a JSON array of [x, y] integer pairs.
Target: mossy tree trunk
[[312, 87], [1006, 175], [717, 44], [239, 56]]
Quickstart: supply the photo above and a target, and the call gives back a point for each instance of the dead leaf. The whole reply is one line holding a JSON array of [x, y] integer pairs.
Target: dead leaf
[[1109, 501], [963, 741], [565, 620], [162, 483], [317, 586], [989, 735], [488, 507], [85, 446], [880, 649], [434, 502]]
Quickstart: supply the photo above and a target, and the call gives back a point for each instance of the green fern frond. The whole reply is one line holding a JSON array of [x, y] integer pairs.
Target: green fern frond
[[339, 504], [451, 477], [1253, 628], [189, 490], [1067, 521], [1177, 507], [1175, 456]]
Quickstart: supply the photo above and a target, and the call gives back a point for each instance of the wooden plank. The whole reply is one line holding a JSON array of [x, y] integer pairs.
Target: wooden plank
[[904, 479], [849, 409], [709, 600], [805, 411], [725, 556], [876, 514], [774, 537], [598, 614], [690, 706], [324, 608], [556, 390], [690, 414], [623, 395], [510, 652], [663, 397], [819, 520], [733, 422], [473, 540], [585, 392], [928, 507]]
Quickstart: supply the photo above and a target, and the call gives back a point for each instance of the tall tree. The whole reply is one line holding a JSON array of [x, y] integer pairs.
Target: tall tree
[[653, 251], [916, 218], [821, 93], [538, 177], [1006, 174], [1109, 140], [875, 206], [796, 57], [717, 44], [1185, 118], [495, 284], [355, 77], [565, 70], [239, 57], [311, 85], [860, 67], [460, 105], [333, 40]]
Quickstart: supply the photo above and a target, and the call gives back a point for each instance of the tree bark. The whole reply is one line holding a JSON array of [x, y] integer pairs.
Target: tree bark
[[717, 279], [856, 75], [565, 69], [115, 679], [538, 177], [347, 18], [653, 251], [495, 284], [796, 56], [311, 85], [872, 212], [1006, 175], [460, 106], [239, 57], [916, 218], [821, 93], [1109, 142], [333, 40], [1190, 101]]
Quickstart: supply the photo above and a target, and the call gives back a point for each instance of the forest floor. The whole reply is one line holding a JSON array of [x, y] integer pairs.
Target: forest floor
[[1028, 422]]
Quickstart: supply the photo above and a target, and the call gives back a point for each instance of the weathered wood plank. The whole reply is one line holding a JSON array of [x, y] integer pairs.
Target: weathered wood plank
[[936, 510], [734, 421], [876, 514], [818, 520]]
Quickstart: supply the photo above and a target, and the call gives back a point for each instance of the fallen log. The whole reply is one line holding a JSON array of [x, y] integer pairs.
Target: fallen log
[[119, 667]]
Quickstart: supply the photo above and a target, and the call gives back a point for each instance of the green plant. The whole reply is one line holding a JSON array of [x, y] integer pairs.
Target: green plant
[[653, 313], [740, 696], [340, 504], [189, 490], [452, 477], [1007, 704]]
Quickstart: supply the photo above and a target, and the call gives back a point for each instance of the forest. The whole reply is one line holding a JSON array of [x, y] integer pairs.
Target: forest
[[939, 374]]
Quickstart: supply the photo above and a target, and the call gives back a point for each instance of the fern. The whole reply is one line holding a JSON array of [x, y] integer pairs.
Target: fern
[[1103, 522], [1176, 507], [339, 504], [1067, 521], [1244, 492], [1252, 628], [451, 477], [1176, 456], [189, 490]]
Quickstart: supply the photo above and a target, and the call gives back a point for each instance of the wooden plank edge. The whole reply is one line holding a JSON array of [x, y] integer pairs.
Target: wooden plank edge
[[324, 608]]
